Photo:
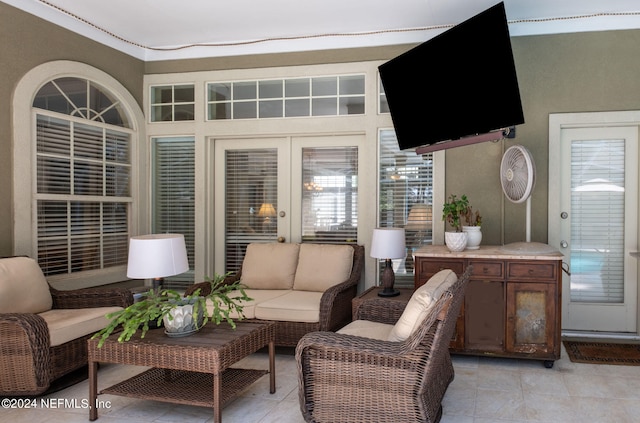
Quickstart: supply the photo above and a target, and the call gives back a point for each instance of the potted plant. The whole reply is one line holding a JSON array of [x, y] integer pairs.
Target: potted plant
[[182, 315], [473, 221], [452, 212]]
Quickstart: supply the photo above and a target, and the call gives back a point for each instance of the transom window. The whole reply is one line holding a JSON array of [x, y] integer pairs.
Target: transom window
[[170, 103], [83, 196], [296, 97]]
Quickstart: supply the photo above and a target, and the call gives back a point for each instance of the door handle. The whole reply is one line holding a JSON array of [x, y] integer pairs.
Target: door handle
[[564, 244], [281, 239]]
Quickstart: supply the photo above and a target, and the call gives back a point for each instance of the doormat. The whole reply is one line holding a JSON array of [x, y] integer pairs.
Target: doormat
[[603, 353]]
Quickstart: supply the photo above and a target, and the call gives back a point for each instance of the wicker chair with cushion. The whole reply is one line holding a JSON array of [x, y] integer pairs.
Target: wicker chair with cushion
[[43, 331], [390, 365]]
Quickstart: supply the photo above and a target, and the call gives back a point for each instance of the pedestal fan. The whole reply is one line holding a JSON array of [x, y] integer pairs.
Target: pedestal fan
[[518, 178]]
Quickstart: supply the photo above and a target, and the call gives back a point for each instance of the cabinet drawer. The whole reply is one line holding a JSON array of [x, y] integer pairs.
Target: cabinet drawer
[[487, 269], [425, 268], [529, 270]]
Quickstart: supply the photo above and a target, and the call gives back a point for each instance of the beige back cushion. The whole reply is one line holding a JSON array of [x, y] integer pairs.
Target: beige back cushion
[[322, 266], [270, 266], [421, 303], [23, 288]]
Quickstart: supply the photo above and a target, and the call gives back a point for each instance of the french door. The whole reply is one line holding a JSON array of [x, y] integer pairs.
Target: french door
[[282, 189], [594, 222]]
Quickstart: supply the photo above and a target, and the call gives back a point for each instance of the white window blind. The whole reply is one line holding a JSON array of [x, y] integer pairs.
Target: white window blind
[[174, 196], [83, 197], [251, 201], [597, 221], [406, 199], [330, 194]]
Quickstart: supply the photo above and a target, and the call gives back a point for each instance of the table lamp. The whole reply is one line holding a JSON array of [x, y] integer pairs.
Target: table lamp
[[388, 244], [157, 256]]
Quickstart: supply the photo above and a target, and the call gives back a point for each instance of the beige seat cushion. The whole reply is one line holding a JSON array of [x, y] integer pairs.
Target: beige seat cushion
[[23, 287], [368, 329], [249, 307], [322, 266], [421, 303], [270, 265], [67, 325], [294, 306]]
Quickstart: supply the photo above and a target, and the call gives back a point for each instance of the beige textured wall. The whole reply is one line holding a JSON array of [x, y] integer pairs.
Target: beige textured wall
[[582, 72], [28, 42]]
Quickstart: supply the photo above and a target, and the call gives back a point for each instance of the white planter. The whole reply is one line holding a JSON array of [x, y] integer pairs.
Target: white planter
[[474, 236], [455, 241], [182, 321]]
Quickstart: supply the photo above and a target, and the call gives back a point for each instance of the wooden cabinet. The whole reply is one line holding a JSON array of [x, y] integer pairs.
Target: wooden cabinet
[[512, 304]]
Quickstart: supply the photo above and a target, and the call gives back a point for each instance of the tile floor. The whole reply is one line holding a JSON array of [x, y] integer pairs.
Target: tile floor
[[484, 390]]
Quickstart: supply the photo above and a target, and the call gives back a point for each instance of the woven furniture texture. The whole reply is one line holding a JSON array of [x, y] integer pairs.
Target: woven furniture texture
[[28, 364], [345, 378], [335, 305], [209, 352]]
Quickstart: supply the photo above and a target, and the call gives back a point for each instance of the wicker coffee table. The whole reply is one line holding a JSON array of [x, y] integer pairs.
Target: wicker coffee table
[[190, 370]]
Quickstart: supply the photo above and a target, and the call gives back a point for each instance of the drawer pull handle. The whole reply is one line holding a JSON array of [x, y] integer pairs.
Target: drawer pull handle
[[530, 271], [485, 270]]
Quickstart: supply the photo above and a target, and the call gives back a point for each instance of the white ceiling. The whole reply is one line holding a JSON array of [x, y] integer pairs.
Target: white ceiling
[[178, 29]]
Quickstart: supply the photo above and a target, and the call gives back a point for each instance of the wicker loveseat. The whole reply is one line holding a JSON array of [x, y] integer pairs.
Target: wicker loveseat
[[390, 365], [43, 331], [303, 287]]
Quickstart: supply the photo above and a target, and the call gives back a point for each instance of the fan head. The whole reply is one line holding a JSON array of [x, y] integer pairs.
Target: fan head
[[517, 173]]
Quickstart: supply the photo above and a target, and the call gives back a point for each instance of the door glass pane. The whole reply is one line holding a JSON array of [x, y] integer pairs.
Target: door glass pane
[[406, 199], [174, 196], [330, 194], [597, 221], [251, 201]]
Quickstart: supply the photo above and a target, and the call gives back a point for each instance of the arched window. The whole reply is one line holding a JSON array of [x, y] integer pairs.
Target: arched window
[[76, 181], [82, 198]]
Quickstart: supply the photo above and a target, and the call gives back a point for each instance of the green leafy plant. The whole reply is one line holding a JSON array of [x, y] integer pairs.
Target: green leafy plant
[[156, 305], [454, 209]]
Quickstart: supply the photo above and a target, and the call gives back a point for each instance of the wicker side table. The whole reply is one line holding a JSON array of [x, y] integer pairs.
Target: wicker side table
[[371, 294], [193, 370]]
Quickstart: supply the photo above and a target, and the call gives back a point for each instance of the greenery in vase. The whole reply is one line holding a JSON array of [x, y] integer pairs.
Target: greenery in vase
[[156, 305], [453, 210], [456, 210]]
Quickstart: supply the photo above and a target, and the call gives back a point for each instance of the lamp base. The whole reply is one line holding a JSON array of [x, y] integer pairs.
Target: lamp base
[[388, 293], [388, 278]]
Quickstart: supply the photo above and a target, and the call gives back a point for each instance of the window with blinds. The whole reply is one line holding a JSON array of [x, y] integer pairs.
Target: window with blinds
[[251, 199], [83, 176], [83, 196], [406, 199], [330, 195], [174, 196], [597, 221]]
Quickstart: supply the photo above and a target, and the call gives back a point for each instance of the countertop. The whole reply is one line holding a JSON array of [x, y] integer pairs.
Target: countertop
[[516, 251]]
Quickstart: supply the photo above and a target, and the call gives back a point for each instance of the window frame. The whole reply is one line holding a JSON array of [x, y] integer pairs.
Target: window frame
[[24, 168]]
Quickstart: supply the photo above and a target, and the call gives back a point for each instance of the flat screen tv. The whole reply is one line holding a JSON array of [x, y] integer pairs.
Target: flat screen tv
[[458, 84]]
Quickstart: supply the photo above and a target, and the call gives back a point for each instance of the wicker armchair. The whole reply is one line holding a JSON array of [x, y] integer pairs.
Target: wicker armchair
[[28, 362], [345, 378]]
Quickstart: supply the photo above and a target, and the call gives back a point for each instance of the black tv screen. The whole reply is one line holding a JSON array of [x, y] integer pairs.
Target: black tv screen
[[460, 83]]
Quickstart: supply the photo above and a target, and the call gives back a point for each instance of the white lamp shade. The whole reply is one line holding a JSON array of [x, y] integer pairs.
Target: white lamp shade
[[388, 243], [157, 256]]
